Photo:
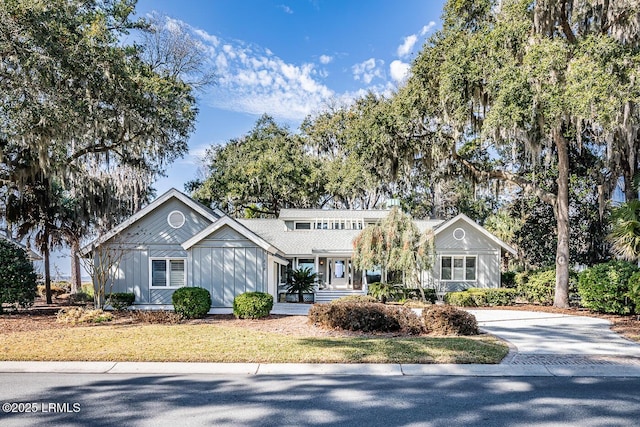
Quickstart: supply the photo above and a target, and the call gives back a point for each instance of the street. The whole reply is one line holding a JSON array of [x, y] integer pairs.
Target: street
[[288, 400]]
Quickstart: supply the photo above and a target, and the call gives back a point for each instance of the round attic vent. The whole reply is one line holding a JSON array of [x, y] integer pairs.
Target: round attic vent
[[458, 234], [176, 219]]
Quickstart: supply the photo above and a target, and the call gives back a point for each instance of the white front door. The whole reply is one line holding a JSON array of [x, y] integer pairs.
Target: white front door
[[340, 272]]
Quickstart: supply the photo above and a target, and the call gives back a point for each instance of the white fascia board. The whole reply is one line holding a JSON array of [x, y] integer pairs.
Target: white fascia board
[[478, 227], [235, 225], [144, 212]]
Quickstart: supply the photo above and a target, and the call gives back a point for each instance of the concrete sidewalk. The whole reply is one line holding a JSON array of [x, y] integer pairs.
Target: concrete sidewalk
[[173, 368]]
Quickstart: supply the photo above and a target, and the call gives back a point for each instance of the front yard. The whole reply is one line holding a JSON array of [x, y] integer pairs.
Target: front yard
[[277, 339]]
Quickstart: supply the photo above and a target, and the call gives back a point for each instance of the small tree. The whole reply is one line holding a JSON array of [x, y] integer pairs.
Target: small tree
[[300, 281], [17, 278], [395, 244], [101, 263]]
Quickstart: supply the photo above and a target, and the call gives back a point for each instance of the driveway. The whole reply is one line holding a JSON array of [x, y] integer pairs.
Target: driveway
[[541, 338]]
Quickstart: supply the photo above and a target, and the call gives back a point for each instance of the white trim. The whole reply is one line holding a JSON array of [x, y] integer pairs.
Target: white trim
[[235, 225], [478, 227], [167, 271], [172, 193], [182, 221], [464, 266], [458, 230]]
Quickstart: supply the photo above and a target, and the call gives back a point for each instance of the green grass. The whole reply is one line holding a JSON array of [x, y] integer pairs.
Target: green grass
[[212, 343]]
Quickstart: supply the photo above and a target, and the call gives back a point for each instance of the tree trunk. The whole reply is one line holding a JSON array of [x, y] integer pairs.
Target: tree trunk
[[47, 272], [76, 279], [561, 210], [300, 296]]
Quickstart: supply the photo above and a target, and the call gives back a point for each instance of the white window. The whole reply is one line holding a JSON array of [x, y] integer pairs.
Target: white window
[[168, 273], [458, 268]]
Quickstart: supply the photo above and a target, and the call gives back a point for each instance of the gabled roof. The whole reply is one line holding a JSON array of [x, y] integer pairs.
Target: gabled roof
[[172, 193], [445, 225], [235, 225]]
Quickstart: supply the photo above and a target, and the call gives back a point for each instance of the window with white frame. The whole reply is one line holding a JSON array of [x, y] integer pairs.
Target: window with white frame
[[168, 273], [458, 268]]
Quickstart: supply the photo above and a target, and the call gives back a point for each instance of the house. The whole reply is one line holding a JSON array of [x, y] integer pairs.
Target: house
[[175, 241]]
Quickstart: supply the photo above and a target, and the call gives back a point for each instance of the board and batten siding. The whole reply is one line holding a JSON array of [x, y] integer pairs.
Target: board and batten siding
[[148, 238], [474, 243], [228, 264]]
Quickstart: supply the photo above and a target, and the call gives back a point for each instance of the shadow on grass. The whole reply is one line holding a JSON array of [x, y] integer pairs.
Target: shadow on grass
[[413, 349]]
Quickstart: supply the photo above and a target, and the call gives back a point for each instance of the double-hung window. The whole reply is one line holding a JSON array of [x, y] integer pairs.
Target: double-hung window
[[168, 273], [458, 268]]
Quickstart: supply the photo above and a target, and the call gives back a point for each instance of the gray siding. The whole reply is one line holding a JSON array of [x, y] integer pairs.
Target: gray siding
[[227, 264], [474, 243], [152, 237]]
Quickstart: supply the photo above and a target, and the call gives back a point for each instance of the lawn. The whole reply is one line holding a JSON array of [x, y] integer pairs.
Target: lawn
[[215, 343]]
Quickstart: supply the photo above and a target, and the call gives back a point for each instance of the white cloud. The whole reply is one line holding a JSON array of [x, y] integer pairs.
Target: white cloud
[[368, 70], [399, 70], [407, 46], [427, 28], [286, 9], [325, 59]]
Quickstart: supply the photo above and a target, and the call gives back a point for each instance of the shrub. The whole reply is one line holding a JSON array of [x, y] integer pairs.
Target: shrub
[[385, 291], [83, 315], [365, 317], [508, 279], [460, 299], [355, 299], [634, 291], [605, 287], [447, 320], [80, 297], [191, 303], [301, 282], [415, 294], [56, 290], [156, 316], [539, 286], [252, 305], [489, 297], [121, 300], [17, 279]]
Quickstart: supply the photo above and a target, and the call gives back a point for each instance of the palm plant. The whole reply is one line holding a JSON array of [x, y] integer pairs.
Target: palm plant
[[300, 281], [625, 230]]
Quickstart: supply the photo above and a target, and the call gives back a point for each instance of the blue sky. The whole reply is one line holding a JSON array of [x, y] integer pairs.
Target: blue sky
[[290, 59]]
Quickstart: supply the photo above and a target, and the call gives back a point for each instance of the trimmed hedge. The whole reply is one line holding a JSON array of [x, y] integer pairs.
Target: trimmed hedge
[[191, 303], [354, 298], [121, 300], [605, 287], [252, 305], [448, 320], [482, 297], [365, 317], [634, 291]]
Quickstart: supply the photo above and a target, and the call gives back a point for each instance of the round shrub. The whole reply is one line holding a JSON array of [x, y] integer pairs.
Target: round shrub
[[191, 303], [539, 286], [252, 305], [17, 278], [365, 317], [605, 287], [447, 320]]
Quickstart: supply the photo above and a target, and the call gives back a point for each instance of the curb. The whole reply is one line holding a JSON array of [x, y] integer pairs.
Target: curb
[[298, 369]]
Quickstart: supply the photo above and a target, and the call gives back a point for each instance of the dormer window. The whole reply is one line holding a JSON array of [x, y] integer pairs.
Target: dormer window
[[303, 226]]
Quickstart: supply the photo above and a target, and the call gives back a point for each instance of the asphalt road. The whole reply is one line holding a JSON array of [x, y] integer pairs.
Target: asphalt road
[[233, 400]]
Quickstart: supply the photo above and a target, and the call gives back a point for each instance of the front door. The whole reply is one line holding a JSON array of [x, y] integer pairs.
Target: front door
[[340, 273]]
